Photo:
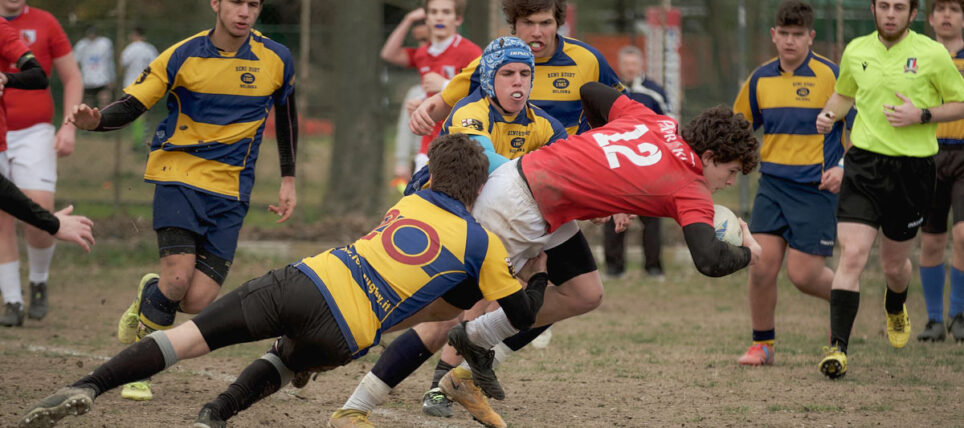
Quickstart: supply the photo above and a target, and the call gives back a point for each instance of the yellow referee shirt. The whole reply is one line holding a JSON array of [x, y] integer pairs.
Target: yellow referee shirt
[[917, 67]]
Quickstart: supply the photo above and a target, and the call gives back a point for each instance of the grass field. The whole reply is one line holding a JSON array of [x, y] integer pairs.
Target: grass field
[[654, 354]]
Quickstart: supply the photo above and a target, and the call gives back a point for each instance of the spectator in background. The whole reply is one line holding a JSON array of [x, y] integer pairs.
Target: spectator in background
[[95, 54], [631, 66], [437, 62], [406, 142], [33, 145], [135, 58]]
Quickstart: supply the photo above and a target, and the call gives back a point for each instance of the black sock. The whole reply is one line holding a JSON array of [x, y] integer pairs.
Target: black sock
[[522, 338], [260, 379], [138, 361], [843, 311], [894, 301], [402, 357], [440, 370]]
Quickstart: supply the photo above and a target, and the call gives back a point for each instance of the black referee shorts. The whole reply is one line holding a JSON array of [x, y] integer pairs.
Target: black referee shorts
[[949, 191], [890, 192], [283, 302]]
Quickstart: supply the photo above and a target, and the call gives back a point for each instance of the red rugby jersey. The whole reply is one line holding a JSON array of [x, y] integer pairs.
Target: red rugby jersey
[[11, 49], [448, 63], [44, 36], [636, 164]]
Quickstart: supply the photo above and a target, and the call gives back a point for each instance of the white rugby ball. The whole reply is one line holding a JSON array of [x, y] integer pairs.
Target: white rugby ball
[[727, 225]]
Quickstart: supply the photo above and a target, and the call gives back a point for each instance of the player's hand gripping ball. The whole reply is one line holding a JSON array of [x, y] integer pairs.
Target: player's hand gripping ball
[[727, 225]]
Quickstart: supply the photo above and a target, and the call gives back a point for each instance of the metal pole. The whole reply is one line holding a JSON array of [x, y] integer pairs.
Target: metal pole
[[119, 136], [744, 184], [839, 46]]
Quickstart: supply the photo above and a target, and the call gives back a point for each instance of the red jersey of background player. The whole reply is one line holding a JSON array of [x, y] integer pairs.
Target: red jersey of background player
[[459, 53], [636, 164], [11, 49], [44, 36]]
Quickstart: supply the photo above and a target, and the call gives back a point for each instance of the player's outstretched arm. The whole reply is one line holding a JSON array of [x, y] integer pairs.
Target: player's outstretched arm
[[432, 110], [115, 115], [31, 75], [522, 306], [75, 228], [714, 257]]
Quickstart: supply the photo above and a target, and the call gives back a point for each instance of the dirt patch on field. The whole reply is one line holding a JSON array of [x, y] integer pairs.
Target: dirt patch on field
[[655, 354]]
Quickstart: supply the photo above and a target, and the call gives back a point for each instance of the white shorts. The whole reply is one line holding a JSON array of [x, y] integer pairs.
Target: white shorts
[[30, 160], [506, 208]]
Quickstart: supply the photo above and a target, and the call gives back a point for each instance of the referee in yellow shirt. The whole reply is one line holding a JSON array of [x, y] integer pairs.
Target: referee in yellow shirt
[[902, 83]]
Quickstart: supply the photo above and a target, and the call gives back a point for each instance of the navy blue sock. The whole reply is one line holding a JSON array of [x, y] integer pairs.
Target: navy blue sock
[[522, 338], [894, 301], [843, 312], [932, 281], [402, 357], [957, 293], [764, 336], [157, 311], [440, 370]]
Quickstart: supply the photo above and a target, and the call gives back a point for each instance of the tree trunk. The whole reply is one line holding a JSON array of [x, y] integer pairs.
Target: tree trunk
[[355, 174]]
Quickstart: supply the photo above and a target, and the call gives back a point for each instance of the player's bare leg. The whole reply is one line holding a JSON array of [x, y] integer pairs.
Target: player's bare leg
[[762, 288]]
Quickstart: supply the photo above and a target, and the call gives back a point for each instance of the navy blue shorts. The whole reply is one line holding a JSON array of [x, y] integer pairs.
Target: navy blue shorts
[[800, 213], [214, 219]]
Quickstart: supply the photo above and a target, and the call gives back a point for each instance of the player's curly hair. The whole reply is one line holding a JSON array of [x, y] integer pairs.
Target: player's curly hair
[[515, 9], [458, 167], [727, 134]]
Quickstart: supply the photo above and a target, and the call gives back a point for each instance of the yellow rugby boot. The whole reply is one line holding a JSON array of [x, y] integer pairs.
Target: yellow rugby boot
[[457, 385], [349, 418], [127, 326], [834, 363], [138, 391], [898, 328]]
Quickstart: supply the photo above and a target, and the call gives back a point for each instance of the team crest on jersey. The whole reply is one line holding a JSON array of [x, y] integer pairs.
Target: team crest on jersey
[[517, 142], [561, 83], [911, 66], [247, 78], [448, 71], [28, 36], [803, 92], [144, 74], [508, 262], [472, 123]]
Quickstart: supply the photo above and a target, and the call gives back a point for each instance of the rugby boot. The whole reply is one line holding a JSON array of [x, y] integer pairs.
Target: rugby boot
[[208, 418], [138, 391], [128, 325], [12, 315], [66, 401], [457, 385], [435, 403], [479, 359], [349, 418], [759, 354], [38, 301], [834, 363], [933, 332], [301, 379], [956, 328], [898, 328]]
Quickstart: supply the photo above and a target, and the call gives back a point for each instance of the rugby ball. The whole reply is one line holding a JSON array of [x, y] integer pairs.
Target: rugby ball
[[727, 225]]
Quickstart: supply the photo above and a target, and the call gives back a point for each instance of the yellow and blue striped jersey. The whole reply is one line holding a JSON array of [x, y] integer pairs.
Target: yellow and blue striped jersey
[[953, 132], [427, 244], [556, 84], [511, 136], [218, 103], [786, 105]]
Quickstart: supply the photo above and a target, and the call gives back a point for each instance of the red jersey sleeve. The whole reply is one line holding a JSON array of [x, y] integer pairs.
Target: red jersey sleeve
[[694, 204], [410, 52], [59, 42], [11, 46]]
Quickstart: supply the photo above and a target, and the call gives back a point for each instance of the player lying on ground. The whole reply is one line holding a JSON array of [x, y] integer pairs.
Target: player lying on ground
[[331, 308], [634, 162]]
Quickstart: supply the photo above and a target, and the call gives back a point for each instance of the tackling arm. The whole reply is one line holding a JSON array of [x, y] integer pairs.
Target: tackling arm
[[711, 256]]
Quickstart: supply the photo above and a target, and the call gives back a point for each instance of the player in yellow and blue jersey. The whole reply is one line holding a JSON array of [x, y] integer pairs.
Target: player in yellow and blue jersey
[[427, 259], [220, 85], [796, 202], [562, 66], [946, 17]]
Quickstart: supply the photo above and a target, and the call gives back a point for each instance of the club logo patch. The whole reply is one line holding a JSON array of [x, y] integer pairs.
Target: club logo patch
[[28, 36], [803, 92], [517, 142], [508, 262], [143, 76], [472, 123], [911, 66], [560, 83], [247, 78]]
